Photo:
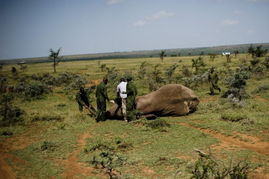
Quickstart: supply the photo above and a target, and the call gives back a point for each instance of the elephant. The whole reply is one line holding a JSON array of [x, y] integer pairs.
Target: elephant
[[169, 100]]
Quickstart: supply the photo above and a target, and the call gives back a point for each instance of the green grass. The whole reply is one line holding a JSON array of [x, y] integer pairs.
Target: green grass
[[149, 151]]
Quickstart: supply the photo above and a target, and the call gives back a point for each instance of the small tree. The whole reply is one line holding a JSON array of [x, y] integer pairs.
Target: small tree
[[103, 67], [162, 55], [236, 52], [212, 56], [142, 70], [170, 71], [197, 64], [54, 55]]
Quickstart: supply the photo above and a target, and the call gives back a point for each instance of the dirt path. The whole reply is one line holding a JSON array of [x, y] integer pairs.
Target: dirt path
[[74, 168], [17, 142], [254, 145]]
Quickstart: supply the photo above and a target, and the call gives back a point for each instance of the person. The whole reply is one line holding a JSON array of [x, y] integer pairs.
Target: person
[[83, 101], [101, 97], [130, 102], [121, 94], [213, 80]]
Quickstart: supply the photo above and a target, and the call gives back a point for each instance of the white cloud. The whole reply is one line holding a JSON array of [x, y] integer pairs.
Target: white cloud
[[112, 2], [229, 22], [154, 17]]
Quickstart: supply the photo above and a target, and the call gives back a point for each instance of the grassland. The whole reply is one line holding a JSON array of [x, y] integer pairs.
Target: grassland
[[66, 148]]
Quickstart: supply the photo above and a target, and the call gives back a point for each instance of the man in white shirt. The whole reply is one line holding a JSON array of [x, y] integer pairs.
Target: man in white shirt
[[121, 93]]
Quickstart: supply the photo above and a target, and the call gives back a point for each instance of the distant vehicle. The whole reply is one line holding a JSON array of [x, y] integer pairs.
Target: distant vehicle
[[226, 53]]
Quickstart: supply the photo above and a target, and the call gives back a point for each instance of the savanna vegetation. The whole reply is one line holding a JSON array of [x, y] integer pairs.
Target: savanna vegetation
[[44, 135]]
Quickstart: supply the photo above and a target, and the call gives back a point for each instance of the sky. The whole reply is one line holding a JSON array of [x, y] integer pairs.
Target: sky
[[30, 28]]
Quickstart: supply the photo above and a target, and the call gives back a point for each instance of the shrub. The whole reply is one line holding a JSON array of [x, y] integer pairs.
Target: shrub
[[266, 62], [208, 167], [236, 84], [142, 70], [170, 71], [9, 113], [47, 118], [186, 72], [233, 117], [48, 146], [108, 161], [198, 63]]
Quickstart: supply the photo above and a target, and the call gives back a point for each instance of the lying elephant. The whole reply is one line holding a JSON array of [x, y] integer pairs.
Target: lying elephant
[[169, 100]]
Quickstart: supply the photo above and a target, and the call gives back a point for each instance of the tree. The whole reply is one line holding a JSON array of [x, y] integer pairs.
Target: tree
[[170, 71], [236, 52], [54, 55], [197, 63], [251, 50], [212, 56], [162, 55]]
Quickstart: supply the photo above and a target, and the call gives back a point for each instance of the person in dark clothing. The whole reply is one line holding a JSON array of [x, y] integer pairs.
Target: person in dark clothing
[[213, 81], [83, 101], [101, 98], [131, 95]]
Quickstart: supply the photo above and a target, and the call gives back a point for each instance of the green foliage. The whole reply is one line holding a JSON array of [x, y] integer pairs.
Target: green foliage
[[54, 55], [258, 52], [162, 54], [266, 62], [198, 63], [236, 84], [47, 118], [155, 79], [32, 89], [142, 70], [106, 158], [170, 71], [47, 146], [9, 113], [153, 124], [186, 72], [103, 67], [208, 167], [233, 117]]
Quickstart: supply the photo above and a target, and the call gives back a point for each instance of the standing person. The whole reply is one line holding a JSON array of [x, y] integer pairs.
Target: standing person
[[83, 101], [121, 94], [101, 97], [213, 80], [131, 95]]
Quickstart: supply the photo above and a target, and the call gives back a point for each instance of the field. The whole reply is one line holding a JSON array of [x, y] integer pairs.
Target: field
[[53, 139]]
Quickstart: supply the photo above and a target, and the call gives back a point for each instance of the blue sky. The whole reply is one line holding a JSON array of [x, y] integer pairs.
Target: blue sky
[[29, 28]]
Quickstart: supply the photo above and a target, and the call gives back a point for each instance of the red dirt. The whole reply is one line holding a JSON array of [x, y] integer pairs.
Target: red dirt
[[18, 142], [209, 99], [74, 168], [259, 98], [254, 144], [257, 145]]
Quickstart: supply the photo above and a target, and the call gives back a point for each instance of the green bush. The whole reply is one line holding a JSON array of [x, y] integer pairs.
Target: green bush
[[9, 113], [47, 118], [208, 167], [233, 117]]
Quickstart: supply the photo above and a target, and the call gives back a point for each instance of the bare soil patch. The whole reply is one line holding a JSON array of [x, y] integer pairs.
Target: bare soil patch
[[74, 168], [256, 146]]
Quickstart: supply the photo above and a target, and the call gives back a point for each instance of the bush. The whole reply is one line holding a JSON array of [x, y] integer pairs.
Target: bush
[[236, 84], [208, 167], [48, 146], [233, 117], [9, 114], [46, 118]]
